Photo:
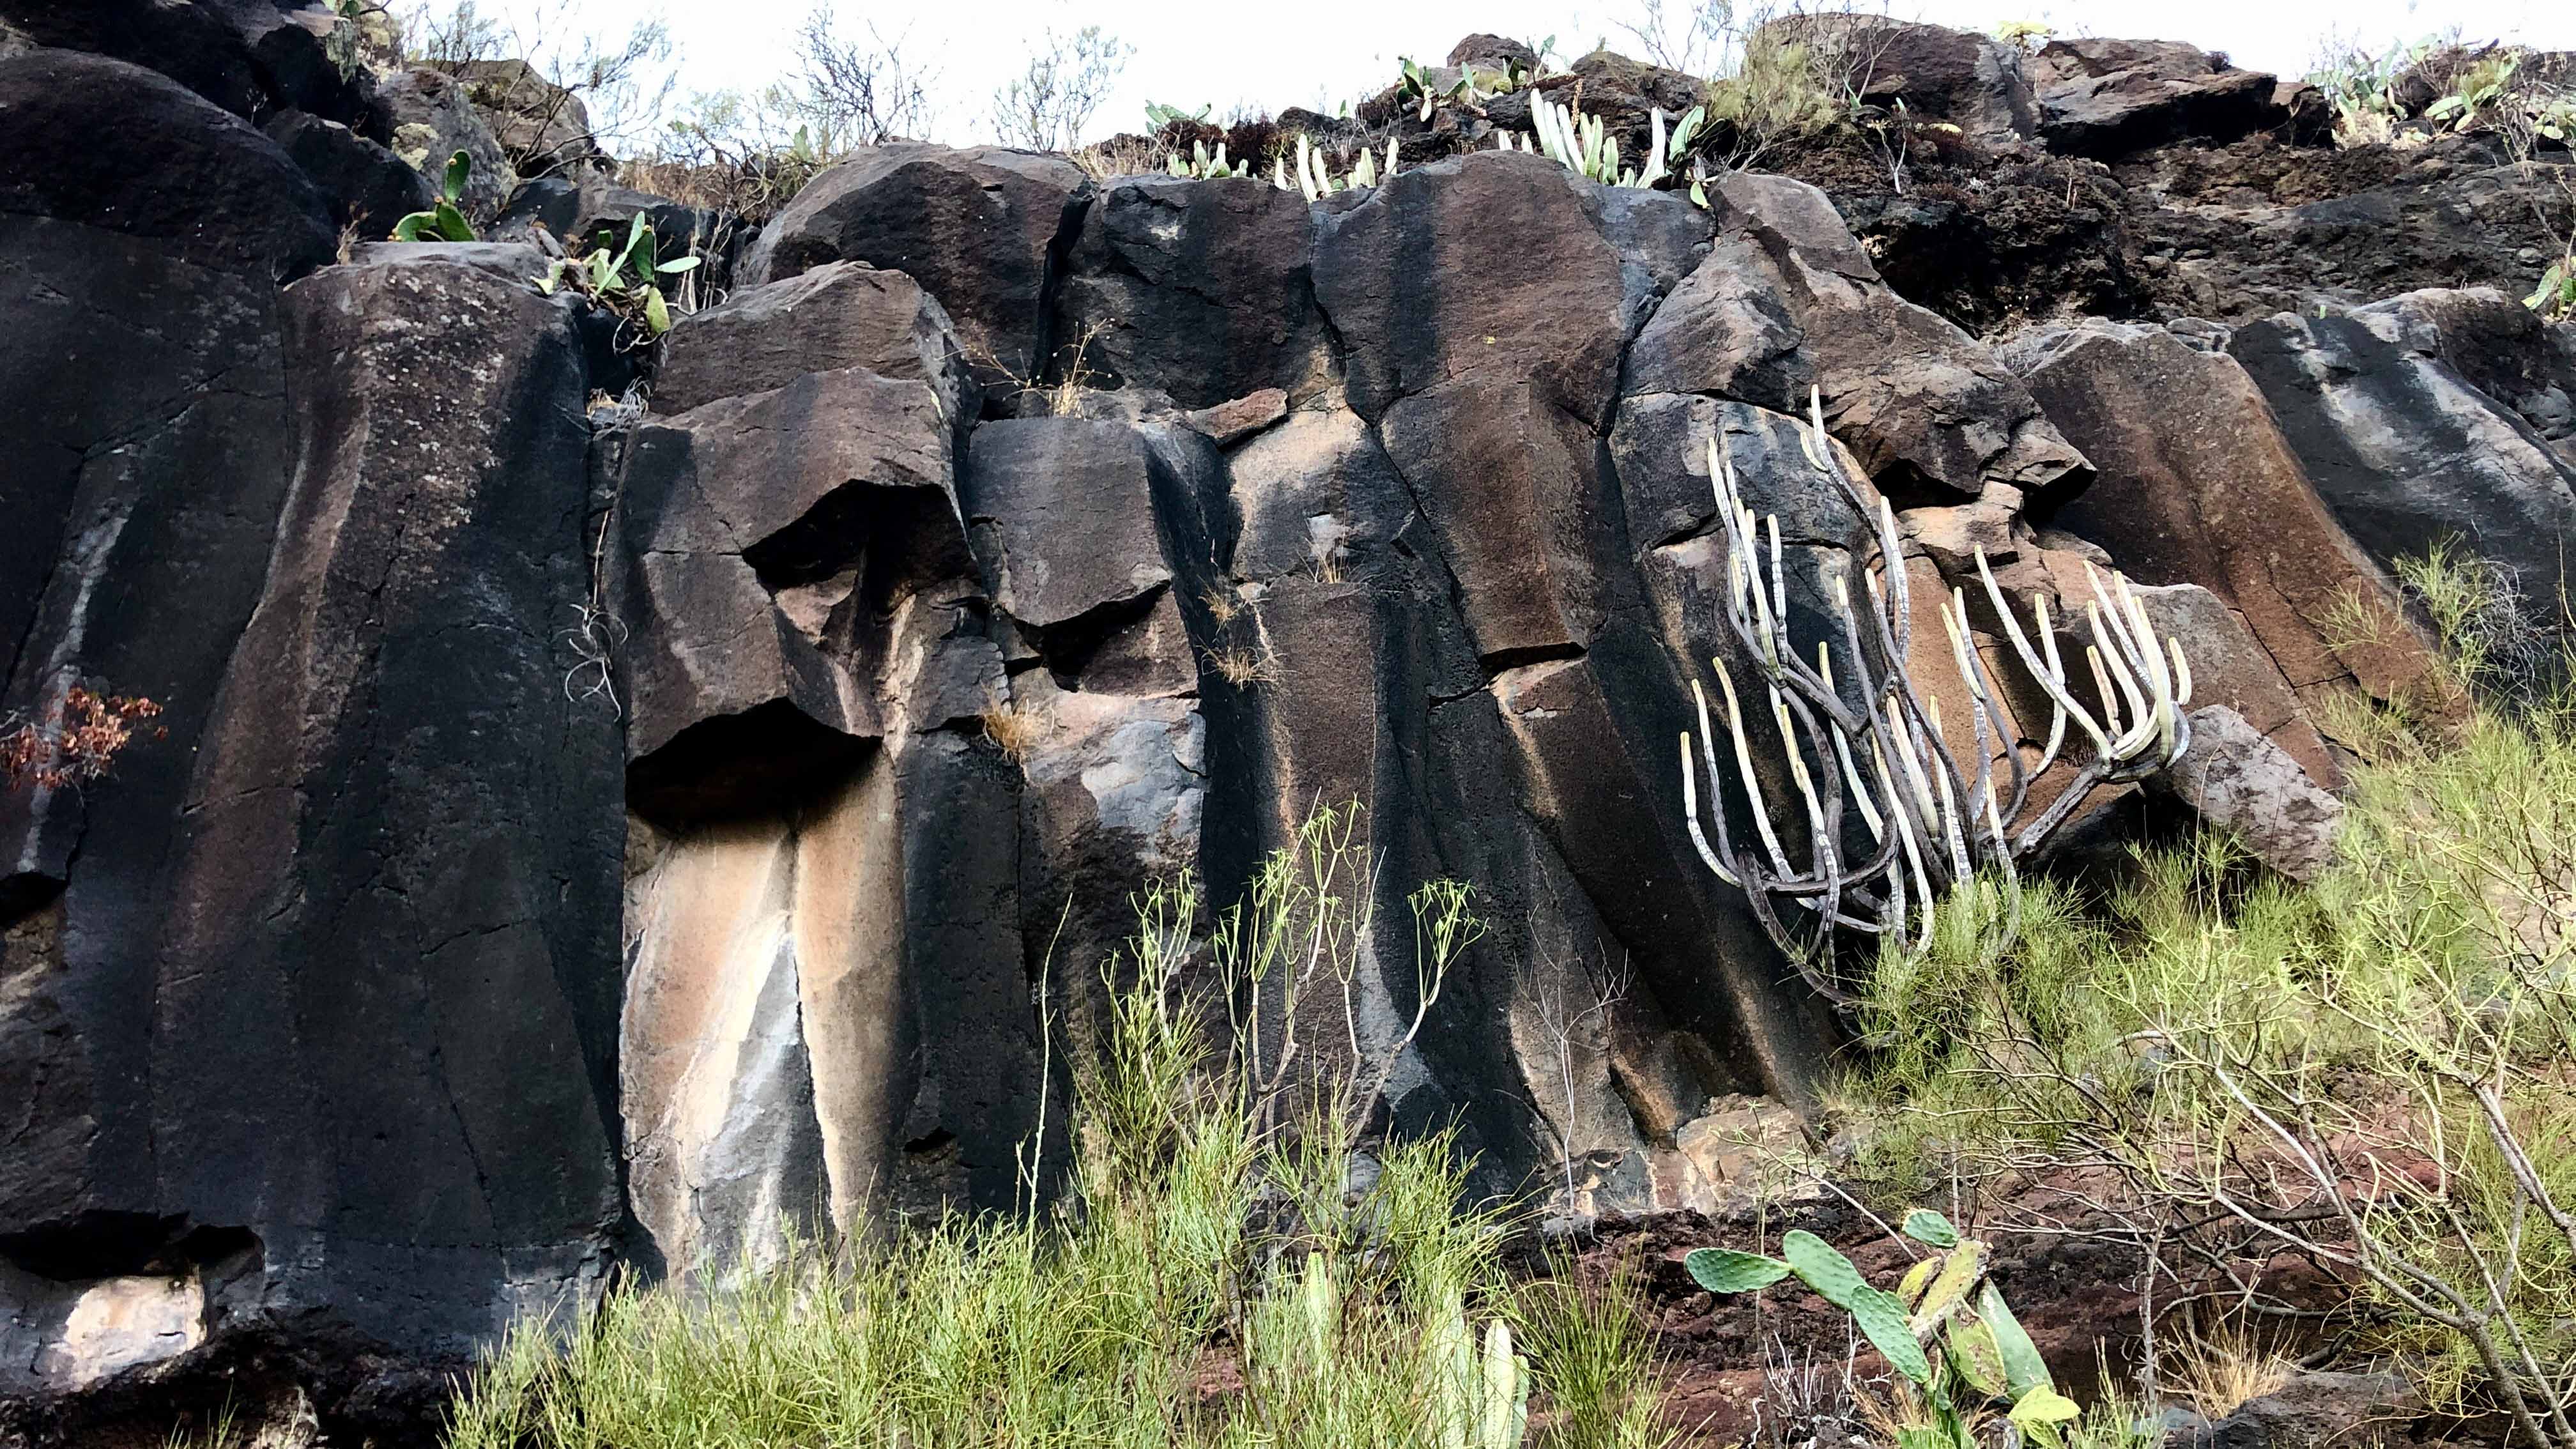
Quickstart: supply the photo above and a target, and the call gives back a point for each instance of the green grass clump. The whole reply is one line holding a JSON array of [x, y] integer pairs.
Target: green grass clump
[[1595, 1356], [1230, 1269]]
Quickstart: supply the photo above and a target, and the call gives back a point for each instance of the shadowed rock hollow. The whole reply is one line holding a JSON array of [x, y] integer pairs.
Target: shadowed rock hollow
[[588, 836]]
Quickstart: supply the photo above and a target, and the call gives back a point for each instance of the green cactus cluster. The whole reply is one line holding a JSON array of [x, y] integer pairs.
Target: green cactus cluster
[[1316, 180], [1946, 1328], [1202, 165], [1476, 1390], [1481, 1396], [1582, 144]]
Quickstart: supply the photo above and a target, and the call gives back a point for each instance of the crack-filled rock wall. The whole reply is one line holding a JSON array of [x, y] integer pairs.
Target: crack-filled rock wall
[[585, 836]]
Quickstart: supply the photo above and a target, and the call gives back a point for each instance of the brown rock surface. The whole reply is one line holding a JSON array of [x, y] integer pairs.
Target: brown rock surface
[[2196, 484]]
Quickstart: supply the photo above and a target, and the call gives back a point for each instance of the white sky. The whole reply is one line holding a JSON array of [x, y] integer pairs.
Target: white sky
[[1271, 55]]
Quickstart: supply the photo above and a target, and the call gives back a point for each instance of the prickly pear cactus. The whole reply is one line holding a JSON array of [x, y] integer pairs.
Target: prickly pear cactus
[[1879, 1314], [1985, 1355], [1724, 1270]]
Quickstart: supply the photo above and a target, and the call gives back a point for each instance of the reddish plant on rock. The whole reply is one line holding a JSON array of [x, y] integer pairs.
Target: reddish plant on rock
[[76, 740]]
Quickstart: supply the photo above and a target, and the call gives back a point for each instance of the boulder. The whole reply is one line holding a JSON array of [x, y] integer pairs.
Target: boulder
[[1200, 290], [2230, 667], [2498, 346], [1958, 77], [109, 145], [1787, 301], [2237, 780], [1622, 90], [1236, 419], [432, 120], [2407, 452], [345, 1085], [2196, 484], [839, 315], [978, 229], [542, 128], [1062, 515], [2108, 98], [1493, 52], [368, 187], [2313, 1410], [128, 368]]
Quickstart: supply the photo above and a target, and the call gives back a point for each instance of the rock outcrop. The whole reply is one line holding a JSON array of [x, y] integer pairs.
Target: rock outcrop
[[611, 803], [2102, 97], [2196, 484], [980, 229], [2409, 452], [1951, 77]]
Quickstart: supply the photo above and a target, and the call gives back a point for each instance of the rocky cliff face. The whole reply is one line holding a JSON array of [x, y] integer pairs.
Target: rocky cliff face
[[589, 835]]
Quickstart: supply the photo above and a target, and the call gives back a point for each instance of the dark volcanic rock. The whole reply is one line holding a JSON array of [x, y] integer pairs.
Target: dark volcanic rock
[[543, 128], [767, 540], [2314, 1410], [1621, 89], [2407, 452], [1493, 52], [326, 1042], [976, 228], [128, 368], [2110, 97], [1509, 481], [432, 120], [1063, 519], [112, 146], [841, 314], [462, 1133], [368, 187], [254, 58], [2445, 223], [2196, 484], [348, 1074], [1484, 268], [1199, 290], [2011, 242], [2246, 784]]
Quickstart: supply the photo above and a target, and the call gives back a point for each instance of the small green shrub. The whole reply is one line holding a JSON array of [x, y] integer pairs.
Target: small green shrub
[[625, 279], [444, 221], [1594, 1356], [1782, 92]]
